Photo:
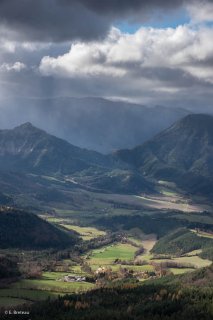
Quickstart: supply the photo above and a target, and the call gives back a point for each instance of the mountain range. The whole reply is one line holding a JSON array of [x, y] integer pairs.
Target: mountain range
[[182, 154], [93, 123], [27, 149]]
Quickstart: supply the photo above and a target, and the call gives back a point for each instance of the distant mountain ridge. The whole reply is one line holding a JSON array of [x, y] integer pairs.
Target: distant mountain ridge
[[29, 149], [182, 154], [93, 123]]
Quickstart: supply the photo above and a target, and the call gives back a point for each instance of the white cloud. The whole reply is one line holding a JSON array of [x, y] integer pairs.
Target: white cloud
[[17, 66], [120, 55], [84, 59]]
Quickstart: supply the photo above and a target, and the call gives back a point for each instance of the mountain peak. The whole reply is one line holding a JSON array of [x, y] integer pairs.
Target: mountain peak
[[29, 149], [26, 125], [28, 128]]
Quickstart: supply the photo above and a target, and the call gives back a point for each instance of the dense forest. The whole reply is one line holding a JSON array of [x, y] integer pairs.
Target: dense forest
[[182, 241], [21, 229]]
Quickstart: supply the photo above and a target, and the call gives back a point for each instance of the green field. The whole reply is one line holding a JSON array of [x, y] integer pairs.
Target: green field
[[86, 233], [76, 270], [53, 285], [28, 294], [49, 286], [123, 251], [107, 255], [177, 271], [53, 275], [194, 260], [7, 302]]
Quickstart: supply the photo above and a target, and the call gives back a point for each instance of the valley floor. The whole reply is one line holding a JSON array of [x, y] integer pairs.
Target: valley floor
[[118, 234]]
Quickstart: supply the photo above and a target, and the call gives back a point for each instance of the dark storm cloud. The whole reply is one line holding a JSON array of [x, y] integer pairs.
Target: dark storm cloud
[[51, 20], [118, 7], [61, 20]]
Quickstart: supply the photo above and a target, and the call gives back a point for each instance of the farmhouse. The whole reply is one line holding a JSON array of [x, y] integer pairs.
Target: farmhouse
[[70, 278]]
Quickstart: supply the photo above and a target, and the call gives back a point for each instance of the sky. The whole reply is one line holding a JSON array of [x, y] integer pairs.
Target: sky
[[156, 52]]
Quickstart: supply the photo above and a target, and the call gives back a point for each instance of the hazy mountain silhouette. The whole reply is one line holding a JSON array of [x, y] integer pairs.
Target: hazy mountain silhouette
[[92, 123]]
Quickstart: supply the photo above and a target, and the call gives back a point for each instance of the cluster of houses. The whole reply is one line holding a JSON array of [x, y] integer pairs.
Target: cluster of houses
[[107, 273]]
